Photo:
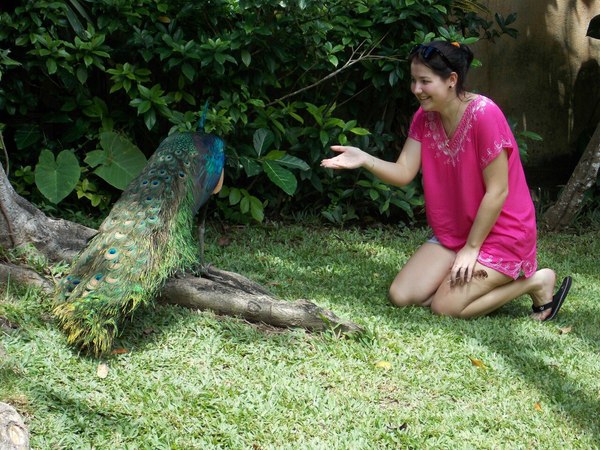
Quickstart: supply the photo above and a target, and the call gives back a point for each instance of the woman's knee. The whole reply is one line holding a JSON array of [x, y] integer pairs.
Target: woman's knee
[[400, 296]]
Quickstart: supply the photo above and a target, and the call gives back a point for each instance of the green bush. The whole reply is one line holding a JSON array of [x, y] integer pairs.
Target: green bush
[[85, 83]]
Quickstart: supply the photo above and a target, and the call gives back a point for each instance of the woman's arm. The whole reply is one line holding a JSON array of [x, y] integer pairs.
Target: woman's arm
[[400, 173], [495, 177]]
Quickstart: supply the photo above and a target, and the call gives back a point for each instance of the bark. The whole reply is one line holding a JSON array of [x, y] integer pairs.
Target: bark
[[22, 223], [568, 205], [231, 294], [220, 291], [22, 275], [13, 432]]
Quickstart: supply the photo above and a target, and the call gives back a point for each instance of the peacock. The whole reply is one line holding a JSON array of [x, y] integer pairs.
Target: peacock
[[147, 237]]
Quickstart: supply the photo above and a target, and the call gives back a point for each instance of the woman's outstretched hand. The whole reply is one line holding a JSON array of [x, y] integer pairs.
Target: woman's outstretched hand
[[348, 158]]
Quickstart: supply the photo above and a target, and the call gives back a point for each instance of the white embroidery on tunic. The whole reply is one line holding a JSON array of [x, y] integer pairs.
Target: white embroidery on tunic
[[450, 149], [510, 268], [490, 153]]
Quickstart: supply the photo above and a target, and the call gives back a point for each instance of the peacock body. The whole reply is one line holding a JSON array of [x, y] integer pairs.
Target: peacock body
[[147, 236]]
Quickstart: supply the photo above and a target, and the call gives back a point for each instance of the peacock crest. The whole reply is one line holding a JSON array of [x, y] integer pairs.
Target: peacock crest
[[147, 236]]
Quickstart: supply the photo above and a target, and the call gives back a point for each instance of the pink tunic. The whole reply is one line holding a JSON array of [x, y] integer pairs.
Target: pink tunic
[[454, 186]]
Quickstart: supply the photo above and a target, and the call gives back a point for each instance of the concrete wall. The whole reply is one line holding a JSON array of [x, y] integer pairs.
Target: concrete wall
[[548, 78]]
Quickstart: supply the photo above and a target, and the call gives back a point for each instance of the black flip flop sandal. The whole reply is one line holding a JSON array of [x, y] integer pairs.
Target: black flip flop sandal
[[557, 300]]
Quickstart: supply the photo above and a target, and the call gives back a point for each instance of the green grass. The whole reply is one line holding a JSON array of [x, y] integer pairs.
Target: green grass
[[192, 380]]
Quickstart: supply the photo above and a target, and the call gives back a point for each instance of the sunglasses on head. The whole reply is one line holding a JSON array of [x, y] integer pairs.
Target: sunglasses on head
[[426, 52]]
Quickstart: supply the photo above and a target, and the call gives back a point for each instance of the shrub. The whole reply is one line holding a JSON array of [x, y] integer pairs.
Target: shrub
[[90, 86]]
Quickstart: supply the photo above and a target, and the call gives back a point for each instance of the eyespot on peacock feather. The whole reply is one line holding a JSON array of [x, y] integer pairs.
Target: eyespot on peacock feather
[[147, 236]]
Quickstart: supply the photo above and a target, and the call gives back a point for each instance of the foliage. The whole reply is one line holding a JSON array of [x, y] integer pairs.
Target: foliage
[[185, 379], [56, 178], [522, 136], [302, 74]]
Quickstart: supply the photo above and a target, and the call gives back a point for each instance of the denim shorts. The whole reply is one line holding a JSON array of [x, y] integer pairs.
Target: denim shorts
[[433, 240]]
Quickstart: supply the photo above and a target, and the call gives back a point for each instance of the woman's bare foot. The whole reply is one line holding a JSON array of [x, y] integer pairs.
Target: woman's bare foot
[[543, 292]]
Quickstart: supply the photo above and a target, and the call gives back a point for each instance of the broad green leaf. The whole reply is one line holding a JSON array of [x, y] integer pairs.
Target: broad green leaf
[[444, 33], [275, 155], [124, 161], [234, 196], [360, 131], [150, 119], [51, 66], [262, 140], [335, 122], [245, 205], [82, 74], [55, 179], [317, 113], [281, 177], [27, 136], [531, 135], [246, 57], [324, 137], [257, 209], [188, 71], [297, 117], [74, 20], [293, 162], [219, 57], [251, 166], [95, 157]]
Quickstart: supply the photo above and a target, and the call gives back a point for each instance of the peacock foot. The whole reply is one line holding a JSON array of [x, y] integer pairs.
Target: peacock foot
[[201, 268]]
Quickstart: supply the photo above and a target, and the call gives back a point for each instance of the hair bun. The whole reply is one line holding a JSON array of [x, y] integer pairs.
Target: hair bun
[[464, 48]]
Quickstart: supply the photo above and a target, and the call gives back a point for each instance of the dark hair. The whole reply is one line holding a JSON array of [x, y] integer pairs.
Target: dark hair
[[444, 58]]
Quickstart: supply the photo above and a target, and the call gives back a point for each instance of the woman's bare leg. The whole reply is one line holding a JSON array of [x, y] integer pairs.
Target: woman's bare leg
[[482, 296], [420, 277]]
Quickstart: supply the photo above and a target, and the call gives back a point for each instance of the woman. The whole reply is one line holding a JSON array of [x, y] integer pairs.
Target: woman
[[476, 197]]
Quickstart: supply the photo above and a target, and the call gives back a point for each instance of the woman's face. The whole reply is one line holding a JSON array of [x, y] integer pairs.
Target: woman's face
[[432, 91]]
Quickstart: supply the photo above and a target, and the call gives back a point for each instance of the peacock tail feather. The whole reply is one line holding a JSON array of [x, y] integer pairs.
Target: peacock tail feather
[[147, 236]]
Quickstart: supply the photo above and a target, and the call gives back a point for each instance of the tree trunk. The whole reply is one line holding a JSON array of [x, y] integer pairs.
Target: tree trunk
[[220, 291], [568, 205], [24, 276], [13, 433], [22, 223]]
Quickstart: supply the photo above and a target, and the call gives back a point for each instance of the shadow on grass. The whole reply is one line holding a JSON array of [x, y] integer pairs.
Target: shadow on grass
[[356, 261], [541, 360], [82, 419], [529, 354], [151, 325]]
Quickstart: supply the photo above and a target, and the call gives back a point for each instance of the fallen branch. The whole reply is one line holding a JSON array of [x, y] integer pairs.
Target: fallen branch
[[233, 295]]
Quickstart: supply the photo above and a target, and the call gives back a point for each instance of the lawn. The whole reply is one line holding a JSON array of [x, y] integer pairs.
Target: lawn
[[193, 380]]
